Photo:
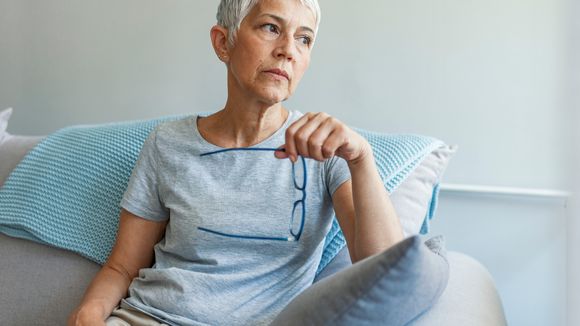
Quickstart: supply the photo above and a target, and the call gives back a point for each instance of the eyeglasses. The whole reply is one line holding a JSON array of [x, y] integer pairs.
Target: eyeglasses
[[300, 178]]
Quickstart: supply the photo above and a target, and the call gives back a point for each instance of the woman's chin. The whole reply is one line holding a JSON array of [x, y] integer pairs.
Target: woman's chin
[[275, 97]]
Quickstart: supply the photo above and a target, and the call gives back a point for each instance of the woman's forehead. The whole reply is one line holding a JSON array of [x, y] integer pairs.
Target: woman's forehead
[[287, 10]]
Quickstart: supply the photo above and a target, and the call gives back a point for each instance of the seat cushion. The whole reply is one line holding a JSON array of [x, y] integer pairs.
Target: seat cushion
[[41, 285]]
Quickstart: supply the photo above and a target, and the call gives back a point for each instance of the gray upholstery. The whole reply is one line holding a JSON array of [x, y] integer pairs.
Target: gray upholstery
[[41, 285], [389, 288], [469, 299]]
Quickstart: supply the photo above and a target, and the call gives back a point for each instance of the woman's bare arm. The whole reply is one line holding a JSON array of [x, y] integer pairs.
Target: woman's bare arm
[[133, 250], [362, 205], [365, 213]]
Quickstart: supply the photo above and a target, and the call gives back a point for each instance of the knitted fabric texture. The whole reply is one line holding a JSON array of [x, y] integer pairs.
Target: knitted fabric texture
[[67, 190]]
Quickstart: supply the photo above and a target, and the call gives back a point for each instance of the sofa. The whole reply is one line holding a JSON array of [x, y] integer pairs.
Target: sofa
[[42, 282]]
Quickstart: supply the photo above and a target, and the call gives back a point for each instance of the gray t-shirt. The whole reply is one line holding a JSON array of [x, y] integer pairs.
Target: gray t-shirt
[[202, 276]]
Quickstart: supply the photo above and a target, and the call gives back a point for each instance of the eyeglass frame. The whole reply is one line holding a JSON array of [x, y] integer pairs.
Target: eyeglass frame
[[293, 237]]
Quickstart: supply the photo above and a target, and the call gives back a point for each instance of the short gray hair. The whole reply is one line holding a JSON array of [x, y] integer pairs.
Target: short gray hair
[[231, 13]]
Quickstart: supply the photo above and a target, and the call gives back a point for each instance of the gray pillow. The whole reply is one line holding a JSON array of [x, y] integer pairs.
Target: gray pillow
[[390, 288]]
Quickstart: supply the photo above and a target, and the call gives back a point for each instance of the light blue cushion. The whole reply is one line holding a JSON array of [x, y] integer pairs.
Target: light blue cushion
[[391, 288], [340, 261]]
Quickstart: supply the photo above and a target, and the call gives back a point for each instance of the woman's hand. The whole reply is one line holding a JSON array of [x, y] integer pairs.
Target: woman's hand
[[362, 206], [320, 136]]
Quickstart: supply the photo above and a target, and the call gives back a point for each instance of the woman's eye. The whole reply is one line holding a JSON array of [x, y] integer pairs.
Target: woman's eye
[[270, 28], [306, 40]]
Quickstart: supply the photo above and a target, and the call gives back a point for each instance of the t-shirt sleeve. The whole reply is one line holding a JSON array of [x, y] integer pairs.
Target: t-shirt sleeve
[[142, 195], [336, 173]]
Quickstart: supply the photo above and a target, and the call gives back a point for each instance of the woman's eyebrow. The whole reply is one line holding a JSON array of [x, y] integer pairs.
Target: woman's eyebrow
[[283, 21]]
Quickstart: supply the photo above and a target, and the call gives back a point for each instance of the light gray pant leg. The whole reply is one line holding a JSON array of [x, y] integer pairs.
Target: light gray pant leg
[[130, 317]]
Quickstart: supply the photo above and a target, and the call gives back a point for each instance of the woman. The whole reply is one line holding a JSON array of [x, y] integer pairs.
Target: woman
[[210, 198]]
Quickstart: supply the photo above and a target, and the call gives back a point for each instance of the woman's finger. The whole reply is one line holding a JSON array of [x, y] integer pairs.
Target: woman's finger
[[281, 153], [318, 147], [290, 145], [302, 136]]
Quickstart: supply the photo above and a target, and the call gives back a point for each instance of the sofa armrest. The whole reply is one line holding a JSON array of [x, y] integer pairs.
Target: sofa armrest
[[470, 298]]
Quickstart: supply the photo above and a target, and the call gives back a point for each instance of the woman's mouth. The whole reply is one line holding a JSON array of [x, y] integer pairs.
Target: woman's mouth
[[279, 73]]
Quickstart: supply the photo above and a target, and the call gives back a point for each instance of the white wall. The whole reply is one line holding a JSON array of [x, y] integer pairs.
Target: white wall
[[66, 61], [574, 215], [522, 241], [492, 76], [487, 75]]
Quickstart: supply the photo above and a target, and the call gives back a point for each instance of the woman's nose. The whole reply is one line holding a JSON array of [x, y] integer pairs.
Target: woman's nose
[[286, 48]]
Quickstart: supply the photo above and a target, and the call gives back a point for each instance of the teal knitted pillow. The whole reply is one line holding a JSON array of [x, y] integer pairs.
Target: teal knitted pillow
[[66, 191]]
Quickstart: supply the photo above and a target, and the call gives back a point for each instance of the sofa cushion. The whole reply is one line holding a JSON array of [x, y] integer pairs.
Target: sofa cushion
[[4, 117], [390, 288]]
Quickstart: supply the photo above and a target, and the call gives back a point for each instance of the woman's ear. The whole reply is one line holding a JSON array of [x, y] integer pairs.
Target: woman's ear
[[219, 41]]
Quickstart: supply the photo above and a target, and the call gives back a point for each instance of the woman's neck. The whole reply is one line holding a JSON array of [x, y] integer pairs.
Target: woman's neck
[[237, 126]]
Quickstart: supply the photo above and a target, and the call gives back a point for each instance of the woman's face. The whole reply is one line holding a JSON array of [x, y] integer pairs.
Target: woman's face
[[272, 50]]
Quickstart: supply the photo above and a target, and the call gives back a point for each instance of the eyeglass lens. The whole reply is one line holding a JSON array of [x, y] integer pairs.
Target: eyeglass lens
[[297, 218], [298, 172]]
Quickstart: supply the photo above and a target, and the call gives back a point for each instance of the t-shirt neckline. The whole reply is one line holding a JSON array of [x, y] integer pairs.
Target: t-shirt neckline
[[264, 142]]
